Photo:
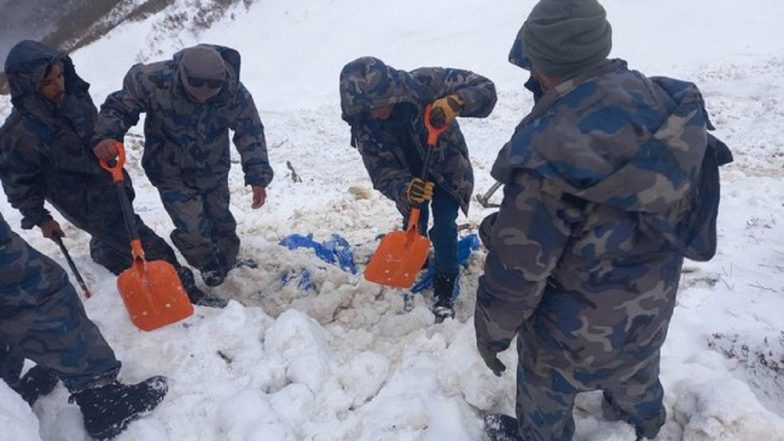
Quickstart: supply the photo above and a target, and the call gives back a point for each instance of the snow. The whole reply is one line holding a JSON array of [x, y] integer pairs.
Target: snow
[[345, 362]]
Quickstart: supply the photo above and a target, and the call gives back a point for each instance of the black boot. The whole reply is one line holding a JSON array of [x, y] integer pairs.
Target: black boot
[[500, 427], [443, 290], [36, 382], [214, 272], [108, 409], [245, 262], [195, 295]]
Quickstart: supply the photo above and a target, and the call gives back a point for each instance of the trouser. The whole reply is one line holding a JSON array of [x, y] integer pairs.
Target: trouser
[[42, 319], [205, 230], [443, 235], [101, 217], [545, 402]]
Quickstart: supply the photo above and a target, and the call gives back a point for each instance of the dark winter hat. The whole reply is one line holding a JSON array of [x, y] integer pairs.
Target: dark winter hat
[[564, 37], [202, 71]]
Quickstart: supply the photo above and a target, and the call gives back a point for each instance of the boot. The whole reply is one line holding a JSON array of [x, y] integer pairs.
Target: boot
[[195, 295], [500, 427], [245, 262], [108, 409], [214, 271], [443, 290], [36, 382], [612, 412]]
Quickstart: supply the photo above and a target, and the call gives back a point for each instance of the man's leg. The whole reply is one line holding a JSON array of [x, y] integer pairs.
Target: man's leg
[[544, 402], [192, 233], [444, 238], [42, 319], [224, 227], [638, 401]]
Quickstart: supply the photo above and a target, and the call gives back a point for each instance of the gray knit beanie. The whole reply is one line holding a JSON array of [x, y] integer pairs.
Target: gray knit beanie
[[561, 38], [204, 64]]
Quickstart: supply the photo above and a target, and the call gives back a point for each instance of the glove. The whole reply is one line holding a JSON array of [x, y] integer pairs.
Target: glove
[[51, 229], [491, 359], [419, 191], [445, 110]]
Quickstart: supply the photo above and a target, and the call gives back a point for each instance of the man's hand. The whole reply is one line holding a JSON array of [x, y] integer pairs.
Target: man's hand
[[51, 229], [491, 359], [105, 150], [259, 196], [445, 110], [419, 191]]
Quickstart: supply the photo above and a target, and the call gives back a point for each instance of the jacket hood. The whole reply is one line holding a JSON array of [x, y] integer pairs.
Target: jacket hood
[[367, 83], [232, 59], [640, 151], [26, 67]]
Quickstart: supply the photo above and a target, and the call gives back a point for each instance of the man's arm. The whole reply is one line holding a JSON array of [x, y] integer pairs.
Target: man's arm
[[386, 172], [21, 171], [526, 240], [476, 92], [121, 109], [250, 142]]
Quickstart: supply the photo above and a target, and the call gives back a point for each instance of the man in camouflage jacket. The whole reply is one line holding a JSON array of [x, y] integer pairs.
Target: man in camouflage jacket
[[191, 102], [385, 109], [42, 319], [609, 182], [45, 155]]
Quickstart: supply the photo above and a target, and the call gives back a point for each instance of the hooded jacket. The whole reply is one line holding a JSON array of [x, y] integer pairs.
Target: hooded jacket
[[368, 83], [45, 149], [186, 141], [606, 191]]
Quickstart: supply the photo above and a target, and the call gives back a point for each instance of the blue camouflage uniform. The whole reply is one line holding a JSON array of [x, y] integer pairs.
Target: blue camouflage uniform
[[393, 150], [186, 152], [45, 155], [609, 182], [42, 319]]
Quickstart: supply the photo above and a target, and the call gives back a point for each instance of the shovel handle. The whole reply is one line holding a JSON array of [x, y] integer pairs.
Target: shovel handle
[[117, 168], [432, 132]]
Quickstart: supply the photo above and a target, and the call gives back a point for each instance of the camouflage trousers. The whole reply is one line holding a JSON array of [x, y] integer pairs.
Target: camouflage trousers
[[97, 211], [545, 402], [42, 319], [205, 230]]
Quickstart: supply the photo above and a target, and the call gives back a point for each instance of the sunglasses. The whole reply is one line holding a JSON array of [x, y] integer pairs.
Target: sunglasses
[[201, 82]]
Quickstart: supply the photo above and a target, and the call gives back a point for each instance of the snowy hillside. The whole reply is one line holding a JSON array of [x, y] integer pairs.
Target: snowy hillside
[[344, 361]]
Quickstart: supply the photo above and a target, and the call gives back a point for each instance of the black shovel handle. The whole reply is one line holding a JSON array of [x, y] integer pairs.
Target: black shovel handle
[[72, 265]]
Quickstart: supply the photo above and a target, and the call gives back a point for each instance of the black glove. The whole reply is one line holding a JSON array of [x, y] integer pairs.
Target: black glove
[[491, 359], [419, 191]]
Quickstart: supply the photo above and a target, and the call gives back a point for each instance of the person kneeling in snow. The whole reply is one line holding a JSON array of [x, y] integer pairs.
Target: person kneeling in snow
[[610, 181], [45, 155], [385, 109], [191, 102], [42, 319]]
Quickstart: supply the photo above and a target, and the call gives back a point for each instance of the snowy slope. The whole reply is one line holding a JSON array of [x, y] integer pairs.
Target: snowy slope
[[347, 363]]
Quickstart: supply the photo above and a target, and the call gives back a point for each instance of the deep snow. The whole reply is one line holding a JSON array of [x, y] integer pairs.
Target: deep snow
[[346, 363]]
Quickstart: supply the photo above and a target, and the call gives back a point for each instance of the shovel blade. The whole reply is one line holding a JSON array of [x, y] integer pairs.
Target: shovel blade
[[398, 259], [153, 294]]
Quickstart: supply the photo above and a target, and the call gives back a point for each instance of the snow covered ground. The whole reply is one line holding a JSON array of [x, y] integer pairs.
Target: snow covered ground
[[345, 362]]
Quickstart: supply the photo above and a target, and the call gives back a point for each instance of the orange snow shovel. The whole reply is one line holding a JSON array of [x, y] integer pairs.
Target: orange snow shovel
[[401, 254], [151, 290]]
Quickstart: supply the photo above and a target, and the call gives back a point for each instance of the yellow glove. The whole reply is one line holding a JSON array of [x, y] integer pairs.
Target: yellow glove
[[419, 191], [445, 110]]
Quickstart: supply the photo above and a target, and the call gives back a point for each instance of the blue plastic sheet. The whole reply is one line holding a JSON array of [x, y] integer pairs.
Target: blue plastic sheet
[[336, 251], [465, 246]]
